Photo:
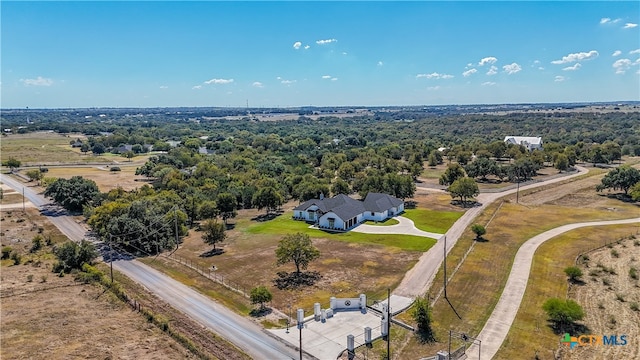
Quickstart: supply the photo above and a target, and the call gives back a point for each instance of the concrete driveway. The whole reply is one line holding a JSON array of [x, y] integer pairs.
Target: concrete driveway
[[405, 226]]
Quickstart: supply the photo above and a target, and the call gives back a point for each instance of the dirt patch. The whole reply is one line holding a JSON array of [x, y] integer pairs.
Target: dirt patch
[[609, 296]]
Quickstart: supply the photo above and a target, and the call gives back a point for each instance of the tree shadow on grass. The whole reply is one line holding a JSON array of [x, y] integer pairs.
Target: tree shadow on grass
[[578, 282], [212, 252], [264, 311], [267, 217], [575, 329], [481, 239], [295, 280]]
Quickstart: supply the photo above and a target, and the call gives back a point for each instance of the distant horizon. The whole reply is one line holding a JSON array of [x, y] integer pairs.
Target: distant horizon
[[291, 54], [627, 102]]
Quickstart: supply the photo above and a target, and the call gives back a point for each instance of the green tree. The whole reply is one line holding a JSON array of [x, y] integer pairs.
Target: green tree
[[98, 149], [74, 193], [563, 313], [451, 174], [129, 154], [296, 248], [464, 188], [85, 147], [482, 167], [72, 255], [561, 163], [635, 192], [479, 230], [340, 186], [35, 175], [227, 205], [12, 163], [260, 295], [621, 178], [269, 198], [574, 273], [422, 316], [213, 232]]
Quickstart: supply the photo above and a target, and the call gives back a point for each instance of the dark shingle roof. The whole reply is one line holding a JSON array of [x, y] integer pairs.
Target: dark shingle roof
[[378, 202], [346, 208]]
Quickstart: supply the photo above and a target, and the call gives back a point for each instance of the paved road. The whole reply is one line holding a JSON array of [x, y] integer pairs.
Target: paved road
[[417, 281], [236, 329], [497, 327]]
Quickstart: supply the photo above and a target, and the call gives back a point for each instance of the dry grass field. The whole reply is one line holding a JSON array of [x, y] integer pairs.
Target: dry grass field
[[484, 272], [44, 316]]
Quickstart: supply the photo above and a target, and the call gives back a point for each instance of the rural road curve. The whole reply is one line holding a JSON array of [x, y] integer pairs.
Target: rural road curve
[[417, 281], [497, 326], [241, 332]]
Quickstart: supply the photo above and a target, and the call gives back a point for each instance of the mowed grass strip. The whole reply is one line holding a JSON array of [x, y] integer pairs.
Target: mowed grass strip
[[476, 287], [284, 224], [432, 220], [530, 332]]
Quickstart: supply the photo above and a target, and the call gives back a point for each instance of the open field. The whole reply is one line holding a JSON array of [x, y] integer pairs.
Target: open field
[[49, 317], [105, 179], [486, 268], [48, 148], [530, 332]]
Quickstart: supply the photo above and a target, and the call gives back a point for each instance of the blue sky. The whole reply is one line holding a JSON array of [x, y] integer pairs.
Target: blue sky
[[144, 54]]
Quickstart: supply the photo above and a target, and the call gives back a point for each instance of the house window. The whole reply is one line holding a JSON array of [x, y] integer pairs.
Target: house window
[[373, 214], [332, 222]]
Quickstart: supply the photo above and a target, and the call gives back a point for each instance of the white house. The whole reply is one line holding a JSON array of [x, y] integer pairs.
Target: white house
[[343, 213], [530, 142]]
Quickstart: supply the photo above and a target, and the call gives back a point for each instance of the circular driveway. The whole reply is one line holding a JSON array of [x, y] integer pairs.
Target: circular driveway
[[404, 227]]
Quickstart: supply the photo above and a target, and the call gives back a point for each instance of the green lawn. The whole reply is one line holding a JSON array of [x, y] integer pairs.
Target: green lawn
[[283, 225], [431, 220]]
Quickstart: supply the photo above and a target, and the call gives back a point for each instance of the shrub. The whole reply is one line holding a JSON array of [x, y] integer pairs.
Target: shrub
[[636, 242], [30, 278], [600, 305], [260, 295], [43, 278], [72, 256], [633, 273], [89, 274], [619, 297], [563, 312], [16, 257], [6, 252], [479, 230], [114, 168], [615, 253], [573, 272], [606, 282], [36, 243], [634, 306]]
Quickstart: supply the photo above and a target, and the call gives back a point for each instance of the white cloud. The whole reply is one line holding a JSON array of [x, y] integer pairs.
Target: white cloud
[[492, 70], [197, 87], [326, 41], [288, 82], [164, 87], [469, 65], [257, 84], [326, 76], [622, 65], [39, 81], [306, 47], [577, 57], [616, 53], [297, 45], [636, 51], [487, 60], [540, 68], [559, 78], [488, 83], [380, 63], [433, 88], [609, 21], [630, 25], [512, 68], [334, 79], [469, 72], [218, 81], [572, 68], [435, 75]]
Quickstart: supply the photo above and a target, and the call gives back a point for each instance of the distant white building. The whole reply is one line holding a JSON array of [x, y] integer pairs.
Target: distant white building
[[530, 142]]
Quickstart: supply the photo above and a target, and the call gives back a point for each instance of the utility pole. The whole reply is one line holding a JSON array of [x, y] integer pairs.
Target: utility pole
[[300, 326], [388, 324], [175, 218], [445, 267]]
